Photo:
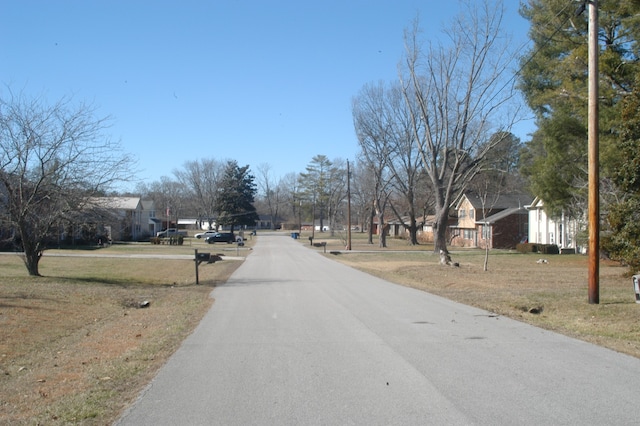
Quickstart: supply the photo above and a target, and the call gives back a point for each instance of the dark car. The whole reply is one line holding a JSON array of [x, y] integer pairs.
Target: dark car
[[221, 237]]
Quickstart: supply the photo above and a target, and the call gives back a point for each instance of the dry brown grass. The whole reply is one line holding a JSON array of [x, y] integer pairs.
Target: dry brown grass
[[75, 346], [552, 296]]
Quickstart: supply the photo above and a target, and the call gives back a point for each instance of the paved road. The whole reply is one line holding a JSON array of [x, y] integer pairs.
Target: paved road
[[297, 339]]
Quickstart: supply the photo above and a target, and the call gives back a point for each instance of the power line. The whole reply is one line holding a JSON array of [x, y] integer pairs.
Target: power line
[[550, 37], [540, 46]]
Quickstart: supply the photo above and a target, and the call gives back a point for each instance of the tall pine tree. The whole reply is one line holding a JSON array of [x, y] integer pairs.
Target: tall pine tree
[[234, 201], [554, 82], [623, 240]]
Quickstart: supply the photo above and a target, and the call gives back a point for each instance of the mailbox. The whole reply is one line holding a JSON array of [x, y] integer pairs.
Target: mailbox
[[204, 257]]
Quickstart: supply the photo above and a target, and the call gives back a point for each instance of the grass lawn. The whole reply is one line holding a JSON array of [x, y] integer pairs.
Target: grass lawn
[[75, 345]]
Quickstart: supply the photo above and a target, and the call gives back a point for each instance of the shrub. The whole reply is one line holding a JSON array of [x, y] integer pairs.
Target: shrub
[[537, 248], [176, 241], [549, 249], [527, 248]]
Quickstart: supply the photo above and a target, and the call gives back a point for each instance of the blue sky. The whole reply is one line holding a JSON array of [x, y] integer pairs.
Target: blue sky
[[252, 80]]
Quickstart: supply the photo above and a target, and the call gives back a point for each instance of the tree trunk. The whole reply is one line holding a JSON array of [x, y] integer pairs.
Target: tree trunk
[[382, 235], [32, 262], [413, 231], [440, 231], [370, 233], [486, 257], [31, 257]]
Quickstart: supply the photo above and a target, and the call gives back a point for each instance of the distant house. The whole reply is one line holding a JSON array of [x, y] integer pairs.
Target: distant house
[[396, 227], [425, 233], [267, 221], [149, 218], [494, 221], [121, 218], [308, 226], [190, 223], [196, 224], [560, 231]]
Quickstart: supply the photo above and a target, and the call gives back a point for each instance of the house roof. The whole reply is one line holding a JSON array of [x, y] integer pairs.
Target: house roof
[[406, 219], [496, 201], [502, 214], [121, 203], [187, 221], [148, 204], [536, 204]]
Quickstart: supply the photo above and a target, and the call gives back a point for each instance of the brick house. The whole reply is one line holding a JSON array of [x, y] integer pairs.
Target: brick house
[[500, 222]]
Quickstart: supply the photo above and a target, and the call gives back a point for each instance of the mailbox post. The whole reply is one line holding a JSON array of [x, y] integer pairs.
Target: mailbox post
[[199, 258]]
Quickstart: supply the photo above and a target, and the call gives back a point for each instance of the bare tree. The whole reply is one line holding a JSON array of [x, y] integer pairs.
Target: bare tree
[[374, 131], [291, 198], [270, 190], [458, 94], [337, 194], [202, 178], [53, 159], [483, 186], [169, 195], [404, 164], [361, 196]]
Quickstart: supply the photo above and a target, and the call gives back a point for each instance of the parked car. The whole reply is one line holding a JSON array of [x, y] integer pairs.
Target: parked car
[[221, 237], [171, 232], [206, 234]]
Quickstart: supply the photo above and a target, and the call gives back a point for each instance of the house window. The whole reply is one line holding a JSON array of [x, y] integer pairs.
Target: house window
[[462, 214], [471, 213], [468, 234], [486, 232]]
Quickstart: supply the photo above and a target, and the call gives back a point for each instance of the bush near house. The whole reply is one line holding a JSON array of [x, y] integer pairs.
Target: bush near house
[[537, 248], [173, 241]]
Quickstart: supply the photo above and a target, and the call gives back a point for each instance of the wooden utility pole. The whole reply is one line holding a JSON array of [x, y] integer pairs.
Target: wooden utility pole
[[594, 169], [348, 207]]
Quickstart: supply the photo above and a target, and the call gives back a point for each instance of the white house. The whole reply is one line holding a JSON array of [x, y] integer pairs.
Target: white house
[[153, 223], [546, 230], [123, 217]]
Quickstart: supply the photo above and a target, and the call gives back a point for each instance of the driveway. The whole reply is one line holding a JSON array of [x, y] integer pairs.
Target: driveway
[[294, 338]]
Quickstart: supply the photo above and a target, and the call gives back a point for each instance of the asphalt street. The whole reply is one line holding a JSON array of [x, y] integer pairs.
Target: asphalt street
[[294, 338]]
